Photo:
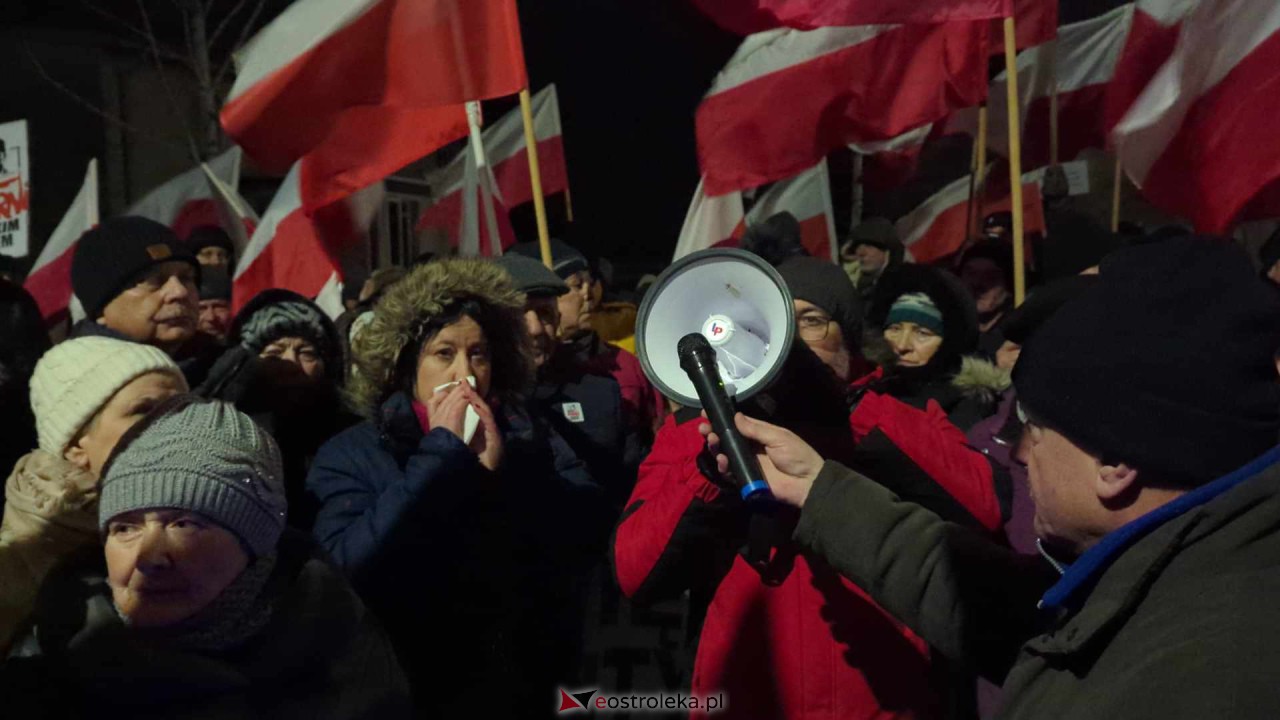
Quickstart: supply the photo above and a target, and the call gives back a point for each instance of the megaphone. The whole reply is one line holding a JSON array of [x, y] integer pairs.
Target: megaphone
[[730, 302]]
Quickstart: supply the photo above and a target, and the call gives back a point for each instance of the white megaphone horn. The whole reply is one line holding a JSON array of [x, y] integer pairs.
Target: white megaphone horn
[[734, 299]]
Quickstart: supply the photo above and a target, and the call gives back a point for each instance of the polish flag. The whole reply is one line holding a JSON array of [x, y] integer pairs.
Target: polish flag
[[788, 97], [937, 228], [1150, 43], [1086, 57], [744, 17], [234, 213], [296, 251], [187, 201], [890, 163], [504, 148], [1035, 22], [49, 281], [365, 87], [1199, 140], [720, 221]]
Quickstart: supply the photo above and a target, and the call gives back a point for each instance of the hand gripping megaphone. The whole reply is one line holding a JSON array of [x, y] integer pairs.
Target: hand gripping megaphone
[[715, 329]]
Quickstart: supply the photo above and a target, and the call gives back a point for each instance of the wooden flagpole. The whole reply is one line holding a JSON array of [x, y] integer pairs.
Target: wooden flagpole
[[1115, 196], [1015, 163], [535, 175], [979, 168]]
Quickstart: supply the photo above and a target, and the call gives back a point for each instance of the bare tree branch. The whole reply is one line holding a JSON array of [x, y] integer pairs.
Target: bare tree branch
[[217, 31], [88, 104], [245, 32], [164, 81], [121, 22]]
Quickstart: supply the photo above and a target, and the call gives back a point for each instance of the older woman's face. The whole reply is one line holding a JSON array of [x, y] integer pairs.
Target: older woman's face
[[164, 566], [458, 350], [300, 352], [915, 345]]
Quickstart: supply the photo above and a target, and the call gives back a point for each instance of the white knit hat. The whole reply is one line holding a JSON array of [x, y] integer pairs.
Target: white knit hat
[[77, 377]]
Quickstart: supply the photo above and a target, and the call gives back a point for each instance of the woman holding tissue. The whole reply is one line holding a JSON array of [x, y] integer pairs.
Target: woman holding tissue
[[454, 512]]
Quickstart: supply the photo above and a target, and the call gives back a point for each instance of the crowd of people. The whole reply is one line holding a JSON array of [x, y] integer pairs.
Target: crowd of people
[[1061, 508]]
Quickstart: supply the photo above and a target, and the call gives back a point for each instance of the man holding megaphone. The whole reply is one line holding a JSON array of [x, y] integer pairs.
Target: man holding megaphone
[[1164, 497], [784, 636]]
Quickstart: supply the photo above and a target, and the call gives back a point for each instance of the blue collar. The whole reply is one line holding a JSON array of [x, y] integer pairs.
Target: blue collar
[[1089, 567]]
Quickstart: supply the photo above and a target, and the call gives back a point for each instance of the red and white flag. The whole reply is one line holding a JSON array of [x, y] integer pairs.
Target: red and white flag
[[744, 17], [890, 163], [362, 88], [1035, 23], [49, 281], [234, 213], [938, 228], [187, 201], [1151, 40], [719, 221], [789, 97], [508, 162], [296, 251], [1199, 140], [712, 220], [1086, 54]]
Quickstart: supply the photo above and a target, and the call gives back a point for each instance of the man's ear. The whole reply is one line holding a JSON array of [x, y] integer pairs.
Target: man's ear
[[1115, 481], [77, 456]]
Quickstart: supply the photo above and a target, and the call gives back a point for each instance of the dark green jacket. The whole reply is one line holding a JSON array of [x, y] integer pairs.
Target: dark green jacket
[[1182, 623]]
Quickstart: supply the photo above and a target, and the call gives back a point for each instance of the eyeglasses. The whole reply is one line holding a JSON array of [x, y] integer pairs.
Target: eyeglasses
[[814, 328]]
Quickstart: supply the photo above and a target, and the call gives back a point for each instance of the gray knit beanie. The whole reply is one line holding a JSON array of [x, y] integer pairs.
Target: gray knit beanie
[[276, 320], [205, 457]]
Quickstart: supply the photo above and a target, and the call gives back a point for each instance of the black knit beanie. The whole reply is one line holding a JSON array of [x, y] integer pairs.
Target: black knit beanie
[[827, 286], [1041, 304], [208, 236], [116, 254], [1165, 364], [215, 284]]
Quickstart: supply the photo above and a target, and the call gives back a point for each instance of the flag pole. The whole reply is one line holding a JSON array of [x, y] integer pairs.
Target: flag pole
[[1115, 196], [535, 175], [1053, 103], [568, 203], [977, 170], [1015, 163]]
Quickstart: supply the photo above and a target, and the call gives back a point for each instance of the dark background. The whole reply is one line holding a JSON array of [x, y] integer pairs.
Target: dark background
[[630, 74]]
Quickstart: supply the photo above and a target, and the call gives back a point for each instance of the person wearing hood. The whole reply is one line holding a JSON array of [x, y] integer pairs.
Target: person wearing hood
[[783, 636], [644, 407], [931, 325], [136, 283], [197, 601], [872, 249], [25, 340], [452, 475], [211, 246], [85, 393], [1157, 505], [285, 369], [215, 303], [986, 271]]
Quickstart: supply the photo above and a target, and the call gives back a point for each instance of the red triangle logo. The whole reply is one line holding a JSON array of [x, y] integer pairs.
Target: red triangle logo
[[567, 702]]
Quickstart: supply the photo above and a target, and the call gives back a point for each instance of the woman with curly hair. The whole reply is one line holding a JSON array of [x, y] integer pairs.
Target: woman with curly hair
[[454, 512]]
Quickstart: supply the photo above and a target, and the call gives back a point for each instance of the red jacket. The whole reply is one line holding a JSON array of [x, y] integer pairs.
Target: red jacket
[[643, 406], [814, 647]]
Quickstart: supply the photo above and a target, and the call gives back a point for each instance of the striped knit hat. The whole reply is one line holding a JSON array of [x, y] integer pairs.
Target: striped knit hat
[[76, 378], [282, 319], [915, 308]]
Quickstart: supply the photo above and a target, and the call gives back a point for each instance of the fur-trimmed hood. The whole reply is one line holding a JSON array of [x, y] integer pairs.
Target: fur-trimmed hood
[[981, 379], [424, 293]]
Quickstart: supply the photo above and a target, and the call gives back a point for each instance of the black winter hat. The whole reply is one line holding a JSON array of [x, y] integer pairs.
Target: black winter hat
[[215, 284], [116, 254], [564, 257], [531, 277], [1165, 364], [826, 285], [1269, 253], [208, 236], [877, 232], [776, 238], [1041, 304]]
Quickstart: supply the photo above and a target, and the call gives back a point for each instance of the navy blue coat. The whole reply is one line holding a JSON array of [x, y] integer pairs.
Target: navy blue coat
[[468, 569]]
